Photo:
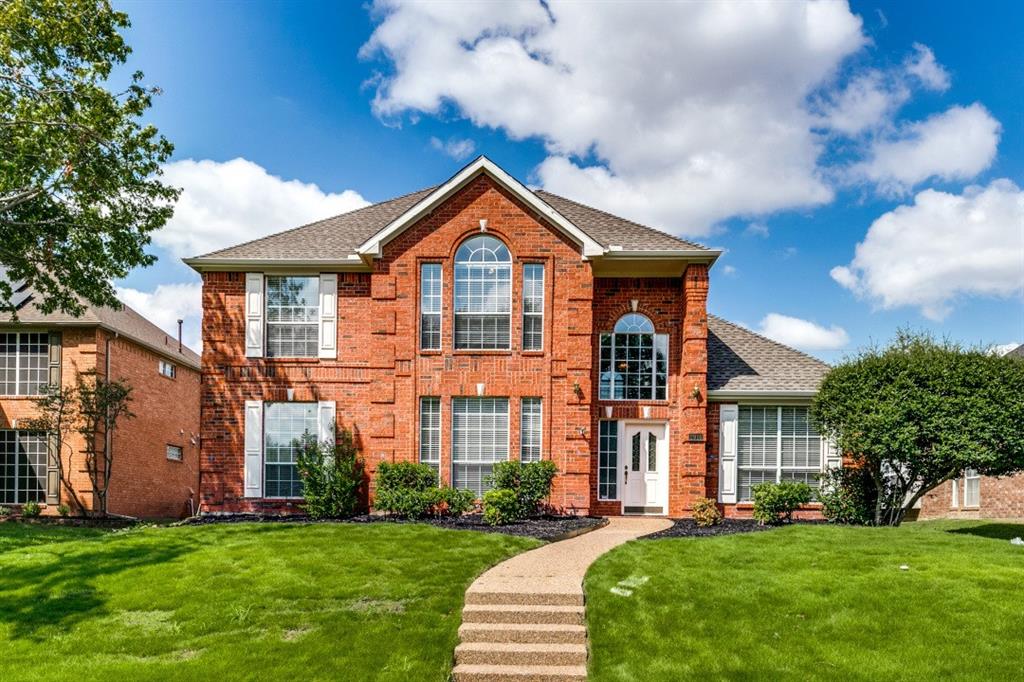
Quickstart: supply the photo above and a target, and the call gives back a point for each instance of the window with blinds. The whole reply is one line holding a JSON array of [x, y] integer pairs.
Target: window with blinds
[[24, 363], [22, 466], [286, 427], [293, 314], [430, 433], [483, 295], [776, 444], [607, 460], [533, 306], [479, 439], [430, 306], [634, 361], [530, 429]]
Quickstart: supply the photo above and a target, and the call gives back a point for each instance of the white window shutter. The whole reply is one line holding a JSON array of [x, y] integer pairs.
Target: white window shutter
[[329, 315], [727, 441], [254, 314], [254, 448], [326, 421], [833, 458]]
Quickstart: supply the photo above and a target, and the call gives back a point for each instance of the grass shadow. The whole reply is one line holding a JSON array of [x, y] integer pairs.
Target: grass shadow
[[994, 531]]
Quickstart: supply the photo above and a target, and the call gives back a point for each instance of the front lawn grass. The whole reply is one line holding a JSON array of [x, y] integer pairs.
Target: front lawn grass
[[238, 602], [812, 602]]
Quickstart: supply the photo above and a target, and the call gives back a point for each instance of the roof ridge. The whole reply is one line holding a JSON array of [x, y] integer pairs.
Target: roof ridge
[[626, 220], [771, 341], [317, 222]]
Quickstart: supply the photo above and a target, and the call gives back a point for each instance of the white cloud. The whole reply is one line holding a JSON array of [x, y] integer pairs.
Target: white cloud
[[941, 247], [236, 201], [167, 304], [868, 101], [757, 229], [956, 144], [803, 334], [923, 66], [728, 270], [456, 148]]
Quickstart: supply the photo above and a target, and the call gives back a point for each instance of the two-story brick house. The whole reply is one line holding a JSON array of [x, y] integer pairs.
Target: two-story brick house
[[155, 470], [479, 321]]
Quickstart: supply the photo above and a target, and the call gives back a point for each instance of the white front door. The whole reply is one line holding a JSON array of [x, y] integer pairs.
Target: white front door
[[644, 457]]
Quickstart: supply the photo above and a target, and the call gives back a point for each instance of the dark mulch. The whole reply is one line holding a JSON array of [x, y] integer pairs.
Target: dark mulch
[[542, 528], [688, 528], [76, 521]]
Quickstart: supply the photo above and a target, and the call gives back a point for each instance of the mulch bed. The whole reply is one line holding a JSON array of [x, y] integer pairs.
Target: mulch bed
[[75, 521], [548, 528], [688, 528]]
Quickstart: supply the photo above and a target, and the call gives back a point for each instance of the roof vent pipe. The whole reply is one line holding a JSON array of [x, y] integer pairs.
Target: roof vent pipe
[[179, 335]]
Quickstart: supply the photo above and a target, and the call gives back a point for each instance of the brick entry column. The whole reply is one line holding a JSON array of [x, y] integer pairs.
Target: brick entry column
[[688, 457]]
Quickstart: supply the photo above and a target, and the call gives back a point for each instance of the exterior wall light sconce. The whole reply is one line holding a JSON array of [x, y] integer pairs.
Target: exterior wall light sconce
[[480, 389], [695, 393], [577, 389], [483, 224], [582, 430]]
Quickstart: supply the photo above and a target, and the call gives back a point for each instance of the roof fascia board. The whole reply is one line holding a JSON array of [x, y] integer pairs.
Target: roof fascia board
[[374, 245], [724, 395], [352, 264]]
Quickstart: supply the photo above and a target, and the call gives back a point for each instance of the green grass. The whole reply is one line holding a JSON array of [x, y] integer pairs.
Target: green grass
[[813, 602], [241, 601]]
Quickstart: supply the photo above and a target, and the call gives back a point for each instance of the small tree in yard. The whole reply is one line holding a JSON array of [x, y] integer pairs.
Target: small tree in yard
[[332, 477], [58, 416], [918, 413]]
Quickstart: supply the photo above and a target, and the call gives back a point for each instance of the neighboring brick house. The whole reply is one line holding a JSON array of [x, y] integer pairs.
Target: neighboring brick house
[[479, 321], [155, 468]]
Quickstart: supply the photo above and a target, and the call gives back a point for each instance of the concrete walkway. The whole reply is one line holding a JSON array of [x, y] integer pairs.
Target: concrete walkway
[[524, 618]]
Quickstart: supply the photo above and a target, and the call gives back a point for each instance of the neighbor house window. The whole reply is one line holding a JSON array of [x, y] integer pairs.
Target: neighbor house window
[[776, 444], [430, 306], [607, 460], [530, 427], [430, 433], [634, 361], [483, 294], [24, 362], [479, 439], [533, 306], [972, 489], [22, 466], [168, 369], [286, 426], [174, 452], [293, 312]]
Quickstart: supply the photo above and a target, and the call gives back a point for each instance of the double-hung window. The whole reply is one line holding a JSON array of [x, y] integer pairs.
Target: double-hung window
[[22, 466], [530, 429], [971, 483], [430, 306], [607, 460], [293, 313], [24, 362], [286, 429], [634, 361], [483, 295], [167, 369], [533, 306], [430, 433], [776, 444], [479, 439]]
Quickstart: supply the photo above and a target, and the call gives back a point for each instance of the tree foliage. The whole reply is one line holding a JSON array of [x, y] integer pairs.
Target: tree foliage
[[79, 172], [332, 477], [921, 411]]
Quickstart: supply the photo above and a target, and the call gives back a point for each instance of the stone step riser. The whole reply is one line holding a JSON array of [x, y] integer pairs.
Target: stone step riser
[[497, 673], [523, 615], [521, 655], [525, 599], [473, 632]]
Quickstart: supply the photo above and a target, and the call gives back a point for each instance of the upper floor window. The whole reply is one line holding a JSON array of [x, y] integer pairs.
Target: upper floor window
[[483, 295], [168, 369], [174, 452], [293, 313], [24, 362], [533, 306], [634, 361], [430, 306]]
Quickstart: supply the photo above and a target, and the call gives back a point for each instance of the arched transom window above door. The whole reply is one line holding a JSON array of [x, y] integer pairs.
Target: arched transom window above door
[[483, 294], [634, 361]]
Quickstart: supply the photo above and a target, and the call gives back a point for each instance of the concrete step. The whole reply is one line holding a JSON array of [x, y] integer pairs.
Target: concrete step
[[525, 614], [494, 653], [513, 633], [533, 598], [519, 673]]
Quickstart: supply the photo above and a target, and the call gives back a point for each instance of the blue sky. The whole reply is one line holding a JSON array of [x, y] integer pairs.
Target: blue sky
[[780, 135]]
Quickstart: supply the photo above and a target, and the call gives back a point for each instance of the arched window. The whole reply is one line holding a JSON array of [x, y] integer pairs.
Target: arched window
[[483, 294], [634, 361]]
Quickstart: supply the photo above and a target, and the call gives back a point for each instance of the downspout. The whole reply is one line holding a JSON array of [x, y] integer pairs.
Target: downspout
[[108, 436]]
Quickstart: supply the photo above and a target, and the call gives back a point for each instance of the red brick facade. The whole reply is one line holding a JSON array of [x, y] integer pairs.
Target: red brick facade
[[144, 483], [998, 498]]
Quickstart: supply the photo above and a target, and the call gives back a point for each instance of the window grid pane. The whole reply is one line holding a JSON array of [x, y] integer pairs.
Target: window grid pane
[[607, 460], [24, 363], [633, 361], [972, 488], [530, 430], [22, 466], [286, 426], [430, 306], [483, 289], [293, 313], [776, 444], [533, 306], [479, 438], [430, 433]]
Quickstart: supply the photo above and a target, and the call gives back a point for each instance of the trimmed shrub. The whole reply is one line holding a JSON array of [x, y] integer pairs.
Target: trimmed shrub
[[705, 513], [448, 501], [775, 503], [63, 510], [531, 483], [501, 507], [30, 510], [332, 477], [5, 511], [409, 490], [848, 495]]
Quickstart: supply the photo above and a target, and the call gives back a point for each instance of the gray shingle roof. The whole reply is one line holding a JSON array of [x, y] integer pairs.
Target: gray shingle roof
[[740, 360], [125, 321], [1017, 352], [338, 237]]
